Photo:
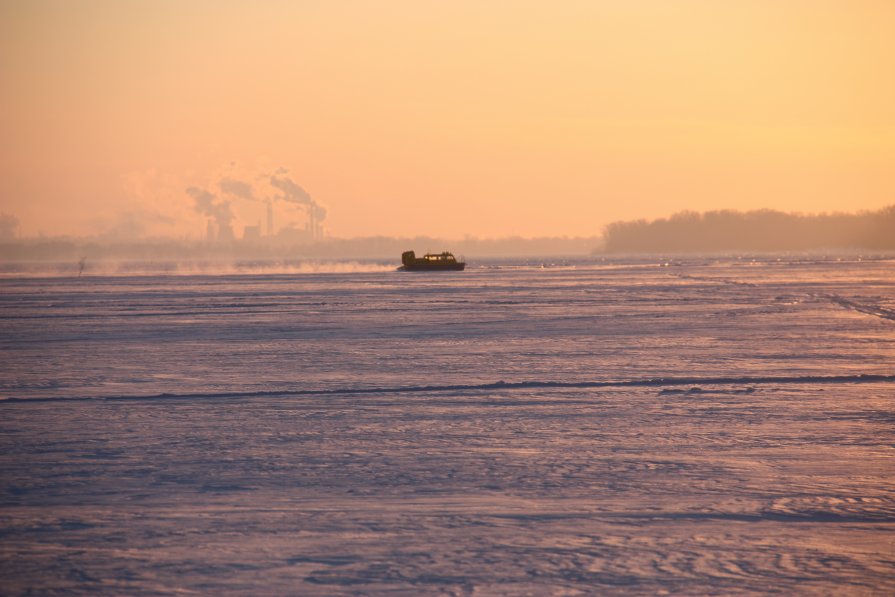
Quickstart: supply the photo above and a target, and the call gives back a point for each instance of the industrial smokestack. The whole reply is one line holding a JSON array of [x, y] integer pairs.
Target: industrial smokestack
[[284, 189], [217, 210], [293, 193]]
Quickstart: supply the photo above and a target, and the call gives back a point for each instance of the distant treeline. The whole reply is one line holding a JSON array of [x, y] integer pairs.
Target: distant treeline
[[762, 230]]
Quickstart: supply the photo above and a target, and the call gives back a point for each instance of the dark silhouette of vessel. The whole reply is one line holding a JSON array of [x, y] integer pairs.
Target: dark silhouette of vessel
[[430, 262]]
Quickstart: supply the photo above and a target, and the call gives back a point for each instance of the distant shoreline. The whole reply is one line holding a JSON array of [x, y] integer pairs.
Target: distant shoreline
[[761, 230]]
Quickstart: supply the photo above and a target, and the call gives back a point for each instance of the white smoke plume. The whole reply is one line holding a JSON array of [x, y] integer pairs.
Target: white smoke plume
[[292, 192], [237, 188], [208, 204], [272, 187], [8, 226]]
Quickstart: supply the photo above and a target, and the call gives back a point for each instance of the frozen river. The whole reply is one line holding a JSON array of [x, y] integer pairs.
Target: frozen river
[[628, 426]]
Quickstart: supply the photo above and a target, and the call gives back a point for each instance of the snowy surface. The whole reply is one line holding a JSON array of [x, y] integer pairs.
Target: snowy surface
[[630, 426]]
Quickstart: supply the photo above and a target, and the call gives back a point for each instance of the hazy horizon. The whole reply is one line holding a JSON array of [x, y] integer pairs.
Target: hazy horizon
[[709, 233], [450, 120], [285, 235]]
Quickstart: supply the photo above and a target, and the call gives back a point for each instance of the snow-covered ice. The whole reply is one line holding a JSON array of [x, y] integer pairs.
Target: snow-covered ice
[[623, 426]]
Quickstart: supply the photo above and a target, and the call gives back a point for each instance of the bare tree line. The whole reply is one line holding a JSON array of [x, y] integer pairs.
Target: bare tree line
[[761, 230]]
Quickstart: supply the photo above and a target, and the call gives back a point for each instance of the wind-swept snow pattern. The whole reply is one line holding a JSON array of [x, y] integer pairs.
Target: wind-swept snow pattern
[[633, 427], [868, 308]]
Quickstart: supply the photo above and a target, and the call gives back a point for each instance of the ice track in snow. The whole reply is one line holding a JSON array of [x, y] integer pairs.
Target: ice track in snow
[[668, 382]]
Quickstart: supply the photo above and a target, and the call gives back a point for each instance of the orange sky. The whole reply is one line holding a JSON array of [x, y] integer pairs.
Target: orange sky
[[450, 118]]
